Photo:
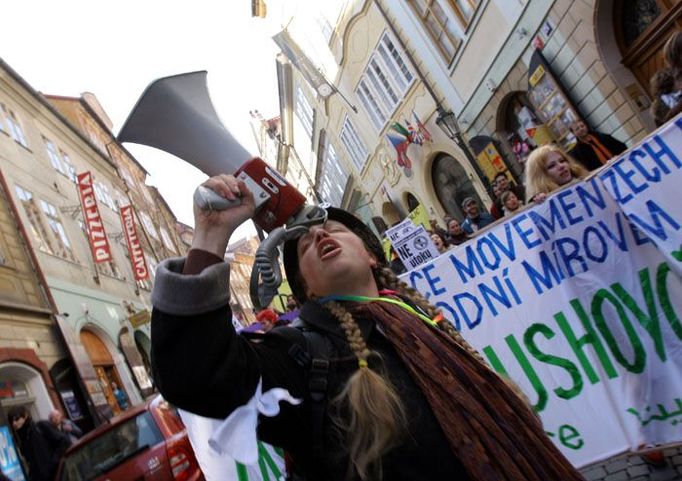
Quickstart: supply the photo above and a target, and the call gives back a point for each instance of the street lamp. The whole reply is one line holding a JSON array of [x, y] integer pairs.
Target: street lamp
[[447, 121]]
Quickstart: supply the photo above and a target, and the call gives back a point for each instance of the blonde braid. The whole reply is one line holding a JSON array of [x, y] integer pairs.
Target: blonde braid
[[376, 415], [387, 279]]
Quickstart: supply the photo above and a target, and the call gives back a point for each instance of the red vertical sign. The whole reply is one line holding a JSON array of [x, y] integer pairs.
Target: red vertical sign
[[134, 248], [93, 222]]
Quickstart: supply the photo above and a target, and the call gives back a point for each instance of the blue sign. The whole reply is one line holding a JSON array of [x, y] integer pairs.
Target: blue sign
[[9, 459]]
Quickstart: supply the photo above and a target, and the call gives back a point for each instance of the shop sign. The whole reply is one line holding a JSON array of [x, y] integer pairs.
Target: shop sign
[[71, 403], [99, 244], [9, 459], [139, 318], [412, 243], [142, 377], [536, 76], [135, 251]]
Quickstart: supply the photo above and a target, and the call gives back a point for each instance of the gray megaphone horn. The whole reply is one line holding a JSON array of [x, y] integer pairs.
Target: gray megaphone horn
[[175, 114]]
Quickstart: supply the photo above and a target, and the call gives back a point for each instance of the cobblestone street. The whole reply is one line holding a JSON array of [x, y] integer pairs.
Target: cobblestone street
[[630, 467]]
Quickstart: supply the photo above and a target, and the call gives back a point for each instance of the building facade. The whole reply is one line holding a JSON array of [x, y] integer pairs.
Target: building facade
[[515, 73], [96, 232]]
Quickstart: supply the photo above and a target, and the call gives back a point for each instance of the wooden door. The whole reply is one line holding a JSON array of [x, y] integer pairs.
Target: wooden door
[[642, 27]]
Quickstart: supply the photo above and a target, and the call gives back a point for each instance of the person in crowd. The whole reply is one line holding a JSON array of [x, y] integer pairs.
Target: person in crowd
[[510, 203], [266, 319], [379, 385], [292, 304], [502, 181], [436, 228], [396, 264], [496, 209], [664, 94], [66, 426], [475, 219], [40, 443], [549, 168], [456, 234], [593, 148], [120, 395], [292, 310], [439, 241], [672, 52]]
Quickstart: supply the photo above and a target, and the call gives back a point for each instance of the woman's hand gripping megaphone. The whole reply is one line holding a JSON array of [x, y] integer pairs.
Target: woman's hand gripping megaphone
[[214, 226]]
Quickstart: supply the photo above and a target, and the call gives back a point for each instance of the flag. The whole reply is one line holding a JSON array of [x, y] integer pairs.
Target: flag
[[422, 130], [415, 136], [401, 144]]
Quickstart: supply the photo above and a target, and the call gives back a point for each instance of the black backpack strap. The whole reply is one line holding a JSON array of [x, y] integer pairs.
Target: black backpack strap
[[317, 356]]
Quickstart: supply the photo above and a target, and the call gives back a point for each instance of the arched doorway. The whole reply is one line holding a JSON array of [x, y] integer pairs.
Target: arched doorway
[[390, 213], [23, 385], [144, 345], [65, 380], [105, 368], [452, 185], [135, 358], [380, 225], [519, 130], [411, 201]]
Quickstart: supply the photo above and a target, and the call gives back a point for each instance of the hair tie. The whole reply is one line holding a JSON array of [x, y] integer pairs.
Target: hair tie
[[438, 318], [362, 363]]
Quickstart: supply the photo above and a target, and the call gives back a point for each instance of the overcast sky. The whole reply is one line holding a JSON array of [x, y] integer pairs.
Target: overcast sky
[[114, 49]]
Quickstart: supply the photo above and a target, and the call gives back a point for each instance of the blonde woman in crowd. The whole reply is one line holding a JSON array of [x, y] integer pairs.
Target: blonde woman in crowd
[[548, 168]]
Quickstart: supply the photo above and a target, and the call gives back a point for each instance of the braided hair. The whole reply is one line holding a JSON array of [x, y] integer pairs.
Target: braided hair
[[376, 415]]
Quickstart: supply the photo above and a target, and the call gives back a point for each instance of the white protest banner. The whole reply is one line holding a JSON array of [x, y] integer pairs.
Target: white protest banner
[[220, 466], [643, 183], [579, 300], [412, 243]]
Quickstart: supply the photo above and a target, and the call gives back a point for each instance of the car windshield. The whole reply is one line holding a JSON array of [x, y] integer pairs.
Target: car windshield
[[105, 452]]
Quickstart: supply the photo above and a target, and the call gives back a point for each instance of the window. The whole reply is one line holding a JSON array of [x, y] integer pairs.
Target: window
[[102, 454], [149, 225], [38, 231], [58, 232], [354, 145], [333, 178], [384, 82], [54, 156], [165, 237], [102, 194], [304, 111], [110, 269], [60, 160], [151, 267], [127, 177], [14, 127], [70, 169]]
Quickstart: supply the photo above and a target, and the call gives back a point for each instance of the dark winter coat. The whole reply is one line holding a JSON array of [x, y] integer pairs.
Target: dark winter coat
[[584, 153], [201, 365], [43, 446]]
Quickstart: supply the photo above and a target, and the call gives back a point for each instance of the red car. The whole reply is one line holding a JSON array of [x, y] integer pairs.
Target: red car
[[146, 443]]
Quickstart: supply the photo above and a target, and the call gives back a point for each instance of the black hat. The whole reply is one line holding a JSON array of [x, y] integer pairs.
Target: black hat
[[371, 242]]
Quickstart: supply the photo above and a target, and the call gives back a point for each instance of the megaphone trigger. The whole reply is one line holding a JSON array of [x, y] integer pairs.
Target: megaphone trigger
[[207, 199]]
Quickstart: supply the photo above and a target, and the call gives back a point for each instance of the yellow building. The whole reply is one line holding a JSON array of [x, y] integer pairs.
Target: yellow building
[[480, 76]]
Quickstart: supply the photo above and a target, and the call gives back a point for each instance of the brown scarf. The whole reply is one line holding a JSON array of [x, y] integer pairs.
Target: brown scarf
[[491, 430]]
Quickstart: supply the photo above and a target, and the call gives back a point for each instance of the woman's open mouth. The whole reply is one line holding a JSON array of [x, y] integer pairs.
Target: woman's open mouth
[[328, 249]]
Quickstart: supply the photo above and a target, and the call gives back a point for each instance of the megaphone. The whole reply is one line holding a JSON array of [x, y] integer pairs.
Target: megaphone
[[175, 114]]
